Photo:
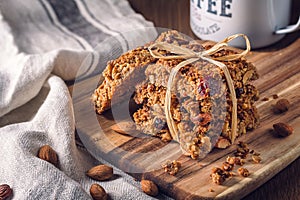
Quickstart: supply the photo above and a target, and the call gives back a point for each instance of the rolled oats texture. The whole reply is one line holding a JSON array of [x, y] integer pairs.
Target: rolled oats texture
[[188, 113]]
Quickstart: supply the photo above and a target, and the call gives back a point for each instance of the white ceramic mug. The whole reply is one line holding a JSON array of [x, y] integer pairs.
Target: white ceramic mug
[[263, 21]]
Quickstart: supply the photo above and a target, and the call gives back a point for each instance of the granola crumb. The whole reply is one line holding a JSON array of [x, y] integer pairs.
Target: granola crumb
[[256, 159], [227, 166], [220, 174], [218, 177], [171, 168], [243, 144], [275, 96], [211, 190], [243, 172], [230, 160], [235, 160], [242, 150], [265, 99]]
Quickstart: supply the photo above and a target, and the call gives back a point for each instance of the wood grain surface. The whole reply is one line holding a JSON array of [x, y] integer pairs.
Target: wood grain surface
[[279, 74], [277, 177]]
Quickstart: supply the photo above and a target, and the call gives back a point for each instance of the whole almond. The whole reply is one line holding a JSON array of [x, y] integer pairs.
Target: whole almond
[[281, 106], [5, 191], [149, 188], [100, 172], [48, 154], [282, 129], [98, 192], [125, 128]]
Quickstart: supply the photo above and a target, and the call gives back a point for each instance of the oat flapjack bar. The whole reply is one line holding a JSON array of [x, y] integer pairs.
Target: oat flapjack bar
[[200, 104], [124, 72], [118, 77]]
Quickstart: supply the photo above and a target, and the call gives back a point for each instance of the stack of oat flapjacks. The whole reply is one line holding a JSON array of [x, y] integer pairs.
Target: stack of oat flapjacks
[[201, 106]]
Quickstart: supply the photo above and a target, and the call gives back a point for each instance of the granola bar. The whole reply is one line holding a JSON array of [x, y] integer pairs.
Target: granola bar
[[201, 106], [196, 93]]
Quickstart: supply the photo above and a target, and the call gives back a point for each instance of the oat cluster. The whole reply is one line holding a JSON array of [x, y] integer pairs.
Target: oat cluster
[[220, 174], [171, 167]]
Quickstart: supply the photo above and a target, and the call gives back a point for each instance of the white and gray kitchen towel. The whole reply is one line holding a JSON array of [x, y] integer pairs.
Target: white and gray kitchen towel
[[42, 45]]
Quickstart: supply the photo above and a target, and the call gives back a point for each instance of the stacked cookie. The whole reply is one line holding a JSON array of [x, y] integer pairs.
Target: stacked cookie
[[201, 106]]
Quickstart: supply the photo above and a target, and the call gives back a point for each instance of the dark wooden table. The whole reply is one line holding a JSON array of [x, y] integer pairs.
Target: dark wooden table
[[174, 14]]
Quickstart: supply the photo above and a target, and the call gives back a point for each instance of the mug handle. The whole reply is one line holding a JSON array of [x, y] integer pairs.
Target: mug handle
[[289, 29]]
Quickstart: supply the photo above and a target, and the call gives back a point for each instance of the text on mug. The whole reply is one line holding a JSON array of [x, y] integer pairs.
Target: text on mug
[[211, 6]]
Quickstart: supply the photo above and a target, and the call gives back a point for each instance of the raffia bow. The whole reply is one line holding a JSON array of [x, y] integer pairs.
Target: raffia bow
[[190, 57]]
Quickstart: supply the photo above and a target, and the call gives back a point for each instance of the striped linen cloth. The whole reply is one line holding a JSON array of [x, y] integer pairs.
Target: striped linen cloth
[[43, 43]]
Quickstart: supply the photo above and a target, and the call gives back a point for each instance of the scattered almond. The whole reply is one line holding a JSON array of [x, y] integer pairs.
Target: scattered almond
[[125, 128], [281, 106], [5, 191], [149, 188], [100, 172], [282, 129], [48, 154], [98, 192]]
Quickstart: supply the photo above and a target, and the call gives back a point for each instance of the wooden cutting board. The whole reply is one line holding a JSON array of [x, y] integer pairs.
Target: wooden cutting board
[[279, 74]]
